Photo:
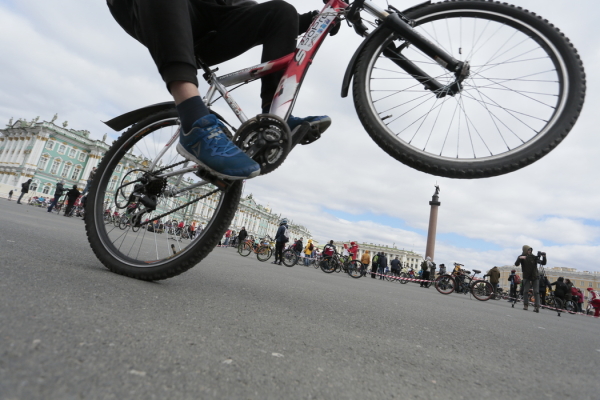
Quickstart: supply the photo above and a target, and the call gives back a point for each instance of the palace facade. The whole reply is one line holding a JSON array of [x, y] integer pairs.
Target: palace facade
[[48, 153], [408, 258]]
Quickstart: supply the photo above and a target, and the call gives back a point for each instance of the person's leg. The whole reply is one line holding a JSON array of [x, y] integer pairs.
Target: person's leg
[[273, 24], [536, 294], [20, 197], [526, 284]]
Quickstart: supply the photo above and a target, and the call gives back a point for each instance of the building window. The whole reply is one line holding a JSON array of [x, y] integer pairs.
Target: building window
[[81, 157], [55, 166], [72, 153], [46, 189], [113, 183], [76, 173], [62, 148], [33, 187], [50, 145], [118, 169], [66, 170], [42, 163], [591, 285]]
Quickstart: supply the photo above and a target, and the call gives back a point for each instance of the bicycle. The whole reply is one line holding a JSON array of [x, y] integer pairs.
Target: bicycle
[[263, 250], [442, 105], [338, 263], [480, 289]]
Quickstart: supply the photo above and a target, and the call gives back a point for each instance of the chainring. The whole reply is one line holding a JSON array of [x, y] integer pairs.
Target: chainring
[[267, 139]]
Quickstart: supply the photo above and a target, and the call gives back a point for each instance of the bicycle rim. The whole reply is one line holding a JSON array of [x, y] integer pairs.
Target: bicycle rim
[[510, 107]]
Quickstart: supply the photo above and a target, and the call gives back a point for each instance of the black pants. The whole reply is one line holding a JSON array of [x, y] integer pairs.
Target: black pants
[[177, 31], [424, 276], [279, 251]]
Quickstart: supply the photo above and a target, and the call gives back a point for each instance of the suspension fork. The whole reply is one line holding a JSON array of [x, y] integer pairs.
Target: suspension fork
[[401, 26]]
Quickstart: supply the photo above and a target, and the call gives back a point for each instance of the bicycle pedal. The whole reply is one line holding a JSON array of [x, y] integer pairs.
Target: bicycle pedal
[[207, 176]]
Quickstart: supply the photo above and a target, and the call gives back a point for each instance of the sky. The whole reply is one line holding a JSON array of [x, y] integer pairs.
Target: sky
[[70, 58]]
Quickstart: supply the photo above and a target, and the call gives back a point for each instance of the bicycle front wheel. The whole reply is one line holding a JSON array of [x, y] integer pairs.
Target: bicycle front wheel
[[445, 284], [524, 92], [403, 276], [482, 290], [289, 258], [264, 253], [137, 163]]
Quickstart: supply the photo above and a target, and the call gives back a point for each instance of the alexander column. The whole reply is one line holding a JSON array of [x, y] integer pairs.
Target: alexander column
[[433, 214]]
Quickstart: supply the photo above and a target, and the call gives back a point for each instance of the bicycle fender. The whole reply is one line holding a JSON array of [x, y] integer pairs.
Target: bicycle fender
[[350, 69], [123, 121]]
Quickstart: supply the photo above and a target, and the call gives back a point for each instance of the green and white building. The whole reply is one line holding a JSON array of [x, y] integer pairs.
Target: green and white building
[[48, 153]]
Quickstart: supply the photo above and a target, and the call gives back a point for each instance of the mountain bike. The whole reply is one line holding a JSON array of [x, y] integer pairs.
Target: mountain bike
[[461, 89], [480, 289], [338, 263]]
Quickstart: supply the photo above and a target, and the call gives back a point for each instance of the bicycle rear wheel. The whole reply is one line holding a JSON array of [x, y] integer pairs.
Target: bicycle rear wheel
[[525, 90], [145, 254], [445, 284], [328, 265], [355, 269], [289, 258], [403, 276], [245, 250], [482, 290], [264, 253]]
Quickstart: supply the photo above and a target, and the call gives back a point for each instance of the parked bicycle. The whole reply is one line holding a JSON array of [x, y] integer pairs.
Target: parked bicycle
[[461, 89], [338, 263], [463, 283]]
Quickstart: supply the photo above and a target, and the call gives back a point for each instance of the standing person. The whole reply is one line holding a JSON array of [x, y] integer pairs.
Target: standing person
[[395, 264], [366, 259], [298, 246], [512, 292], [178, 32], [594, 300], [72, 196], [579, 300], [57, 193], [425, 267], [383, 264], [227, 237], [308, 252], [494, 275], [10, 195], [544, 284], [24, 189], [528, 263], [281, 238], [374, 265], [568, 295], [242, 236], [89, 181]]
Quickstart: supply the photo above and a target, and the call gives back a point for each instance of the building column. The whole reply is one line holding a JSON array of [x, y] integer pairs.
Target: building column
[[433, 214]]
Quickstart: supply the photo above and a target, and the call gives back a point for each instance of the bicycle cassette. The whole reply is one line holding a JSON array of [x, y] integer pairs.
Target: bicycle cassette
[[266, 139]]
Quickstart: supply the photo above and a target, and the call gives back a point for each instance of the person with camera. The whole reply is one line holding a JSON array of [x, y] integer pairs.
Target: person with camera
[[529, 267]]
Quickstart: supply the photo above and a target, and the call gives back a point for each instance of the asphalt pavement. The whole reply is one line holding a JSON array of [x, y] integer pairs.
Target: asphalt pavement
[[237, 328]]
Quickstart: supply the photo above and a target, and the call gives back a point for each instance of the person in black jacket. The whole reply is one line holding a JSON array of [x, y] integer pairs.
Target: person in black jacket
[[544, 284], [57, 193], [528, 263], [382, 265], [281, 238], [242, 236], [24, 189], [72, 196], [560, 291]]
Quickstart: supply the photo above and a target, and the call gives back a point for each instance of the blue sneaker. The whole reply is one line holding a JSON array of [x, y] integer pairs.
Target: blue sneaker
[[322, 123], [207, 145]]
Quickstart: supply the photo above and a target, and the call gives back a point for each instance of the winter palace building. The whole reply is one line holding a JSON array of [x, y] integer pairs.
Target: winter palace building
[[48, 153]]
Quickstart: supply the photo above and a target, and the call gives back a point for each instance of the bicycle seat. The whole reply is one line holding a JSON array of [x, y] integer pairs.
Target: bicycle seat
[[477, 272]]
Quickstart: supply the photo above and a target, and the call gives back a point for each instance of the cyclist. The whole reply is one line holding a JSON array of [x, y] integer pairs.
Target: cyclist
[[177, 32], [594, 301]]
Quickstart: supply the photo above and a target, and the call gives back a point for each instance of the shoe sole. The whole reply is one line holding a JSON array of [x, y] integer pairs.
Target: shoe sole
[[183, 152], [321, 125]]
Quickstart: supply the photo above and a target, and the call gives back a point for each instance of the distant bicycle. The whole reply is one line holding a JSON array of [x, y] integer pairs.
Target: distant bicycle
[[463, 283]]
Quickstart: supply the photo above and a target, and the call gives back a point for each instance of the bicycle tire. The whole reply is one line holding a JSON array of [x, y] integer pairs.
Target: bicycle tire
[[403, 275], [144, 260], [482, 290], [245, 250], [327, 266], [445, 284], [263, 253], [514, 138], [355, 269], [289, 258]]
